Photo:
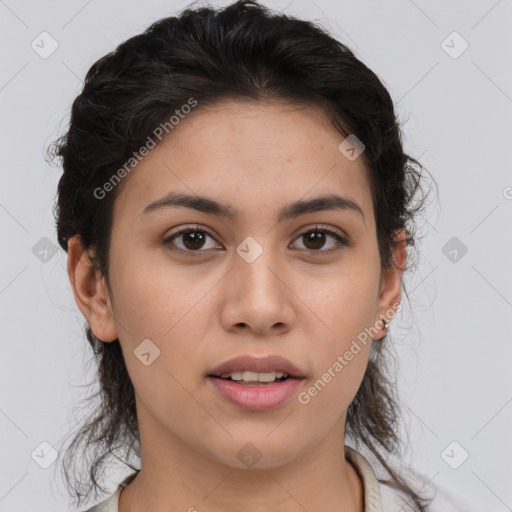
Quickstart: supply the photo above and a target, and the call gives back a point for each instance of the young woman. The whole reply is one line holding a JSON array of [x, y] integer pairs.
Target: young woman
[[237, 206]]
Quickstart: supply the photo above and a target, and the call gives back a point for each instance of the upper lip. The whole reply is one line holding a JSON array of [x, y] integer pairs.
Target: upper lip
[[258, 365]]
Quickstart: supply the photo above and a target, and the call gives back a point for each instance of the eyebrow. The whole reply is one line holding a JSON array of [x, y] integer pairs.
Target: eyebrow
[[210, 206]]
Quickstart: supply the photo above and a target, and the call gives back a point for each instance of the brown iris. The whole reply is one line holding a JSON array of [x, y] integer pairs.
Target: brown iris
[[197, 239], [317, 238]]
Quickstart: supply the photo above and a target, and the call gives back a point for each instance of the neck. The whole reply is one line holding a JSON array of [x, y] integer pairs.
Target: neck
[[174, 476], [320, 479]]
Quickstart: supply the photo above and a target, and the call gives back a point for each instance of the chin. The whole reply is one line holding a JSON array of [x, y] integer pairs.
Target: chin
[[257, 450]]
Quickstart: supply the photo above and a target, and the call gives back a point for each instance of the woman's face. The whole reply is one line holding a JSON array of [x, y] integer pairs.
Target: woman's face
[[262, 281]]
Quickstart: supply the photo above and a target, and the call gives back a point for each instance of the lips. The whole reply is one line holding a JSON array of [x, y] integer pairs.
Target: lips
[[258, 398], [258, 365]]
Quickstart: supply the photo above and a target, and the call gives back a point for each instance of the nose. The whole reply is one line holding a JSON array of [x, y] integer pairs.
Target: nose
[[258, 294]]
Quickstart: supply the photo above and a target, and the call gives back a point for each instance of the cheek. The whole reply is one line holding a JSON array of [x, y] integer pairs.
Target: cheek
[[153, 298], [170, 309], [341, 360], [345, 303], [346, 306]]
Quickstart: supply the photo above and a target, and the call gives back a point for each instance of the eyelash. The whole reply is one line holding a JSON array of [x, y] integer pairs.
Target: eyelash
[[340, 241]]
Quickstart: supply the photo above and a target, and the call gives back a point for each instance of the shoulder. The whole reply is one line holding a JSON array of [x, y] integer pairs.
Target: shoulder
[[440, 500], [394, 499], [382, 497], [111, 504]]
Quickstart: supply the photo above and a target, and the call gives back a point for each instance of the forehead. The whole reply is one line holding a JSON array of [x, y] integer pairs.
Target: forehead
[[248, 155]]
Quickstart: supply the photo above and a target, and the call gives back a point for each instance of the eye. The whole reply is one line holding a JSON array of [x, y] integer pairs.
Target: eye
[[193, 239], [315, 239]]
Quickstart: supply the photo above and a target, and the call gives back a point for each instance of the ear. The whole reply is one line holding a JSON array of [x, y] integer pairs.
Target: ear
[[90, 291], [391, 282]]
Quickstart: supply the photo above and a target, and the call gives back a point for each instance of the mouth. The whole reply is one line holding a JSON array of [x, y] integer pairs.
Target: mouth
[[248, 368], [256, 384], [248, 378]]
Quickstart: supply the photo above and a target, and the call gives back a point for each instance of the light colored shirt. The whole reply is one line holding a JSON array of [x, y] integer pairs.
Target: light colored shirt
[[378, 497]]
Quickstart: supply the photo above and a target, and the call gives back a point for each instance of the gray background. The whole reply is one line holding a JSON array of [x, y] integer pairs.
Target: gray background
[[452, 347]]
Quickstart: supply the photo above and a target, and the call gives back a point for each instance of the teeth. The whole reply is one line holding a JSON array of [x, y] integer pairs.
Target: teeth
[[247, 376]]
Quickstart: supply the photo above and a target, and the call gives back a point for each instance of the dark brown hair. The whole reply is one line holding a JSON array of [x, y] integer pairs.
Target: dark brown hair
[[242, 51]]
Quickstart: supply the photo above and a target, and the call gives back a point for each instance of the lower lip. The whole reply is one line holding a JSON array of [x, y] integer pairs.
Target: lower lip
[[256, 398]]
